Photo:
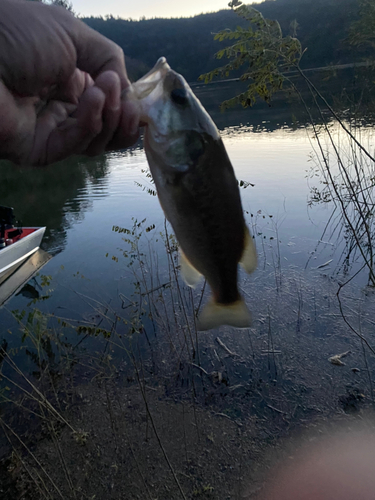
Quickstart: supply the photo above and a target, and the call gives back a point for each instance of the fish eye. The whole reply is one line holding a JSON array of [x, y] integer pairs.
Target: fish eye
[[179, 96]]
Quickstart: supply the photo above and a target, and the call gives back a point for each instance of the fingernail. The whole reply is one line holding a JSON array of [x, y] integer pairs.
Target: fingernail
[[114, 102]]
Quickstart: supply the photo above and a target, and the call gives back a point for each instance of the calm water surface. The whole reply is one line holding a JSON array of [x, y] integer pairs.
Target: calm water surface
[[81, 201]]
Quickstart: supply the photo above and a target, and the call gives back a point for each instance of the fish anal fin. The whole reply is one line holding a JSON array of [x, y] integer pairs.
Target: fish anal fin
[[249, 258], [214, 314], [189, 274]]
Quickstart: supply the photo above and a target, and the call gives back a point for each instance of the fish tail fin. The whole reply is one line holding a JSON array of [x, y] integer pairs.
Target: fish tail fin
[[214, 314]]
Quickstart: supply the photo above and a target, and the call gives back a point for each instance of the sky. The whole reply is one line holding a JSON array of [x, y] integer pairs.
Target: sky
[[148, 8]]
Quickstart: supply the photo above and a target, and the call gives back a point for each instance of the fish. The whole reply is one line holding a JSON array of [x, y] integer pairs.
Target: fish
[[198, 192]]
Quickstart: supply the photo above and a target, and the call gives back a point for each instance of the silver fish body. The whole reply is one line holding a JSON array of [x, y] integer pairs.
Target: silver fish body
[[198, 192]]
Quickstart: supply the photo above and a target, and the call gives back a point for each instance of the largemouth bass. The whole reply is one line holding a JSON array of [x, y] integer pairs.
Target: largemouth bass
[[198, 192]]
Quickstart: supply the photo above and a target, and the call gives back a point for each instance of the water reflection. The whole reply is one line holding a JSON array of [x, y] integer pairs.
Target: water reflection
[[81, 200], [347, 90], [271, 148], [56, 196]]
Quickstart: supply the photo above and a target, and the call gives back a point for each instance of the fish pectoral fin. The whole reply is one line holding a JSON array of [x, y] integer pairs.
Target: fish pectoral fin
[[249, 258], [190, 275], [214, 314]]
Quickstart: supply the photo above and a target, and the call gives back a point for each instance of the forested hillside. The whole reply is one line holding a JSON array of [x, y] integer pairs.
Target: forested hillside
[[189, 46]]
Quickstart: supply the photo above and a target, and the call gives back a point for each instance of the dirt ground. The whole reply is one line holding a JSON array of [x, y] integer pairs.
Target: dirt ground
[[134, 443], [210, 430]]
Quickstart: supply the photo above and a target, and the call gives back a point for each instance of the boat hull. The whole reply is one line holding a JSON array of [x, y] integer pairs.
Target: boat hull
[[22, 275], [12, 256]]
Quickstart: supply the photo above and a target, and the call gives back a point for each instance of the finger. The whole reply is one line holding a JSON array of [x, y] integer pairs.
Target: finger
[[109, 83], [127, 132], [8, 116], [17, 121], [74, 134], [96, 54], [72, 90], [36, 52]]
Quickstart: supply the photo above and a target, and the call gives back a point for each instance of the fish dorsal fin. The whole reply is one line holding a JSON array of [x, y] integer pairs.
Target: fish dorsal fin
[[214, 314], [190, 275], [249, 256]]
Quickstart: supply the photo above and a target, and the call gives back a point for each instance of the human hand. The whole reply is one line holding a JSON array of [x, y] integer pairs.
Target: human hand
[[60, 87]]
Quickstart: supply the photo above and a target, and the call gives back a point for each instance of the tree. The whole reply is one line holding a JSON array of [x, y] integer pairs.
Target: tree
[[267, 55], [362, 31], [265, 52], [66, 4]]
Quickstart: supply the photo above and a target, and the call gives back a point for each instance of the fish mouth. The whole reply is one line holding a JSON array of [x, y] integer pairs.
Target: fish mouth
[[161, 72], [145, 85], [162, 76]]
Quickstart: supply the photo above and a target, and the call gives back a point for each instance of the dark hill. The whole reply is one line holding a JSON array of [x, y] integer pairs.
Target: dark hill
[[188, 43]]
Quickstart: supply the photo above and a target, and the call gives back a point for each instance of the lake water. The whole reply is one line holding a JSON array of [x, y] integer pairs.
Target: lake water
[[80, 201], [301, 245]]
